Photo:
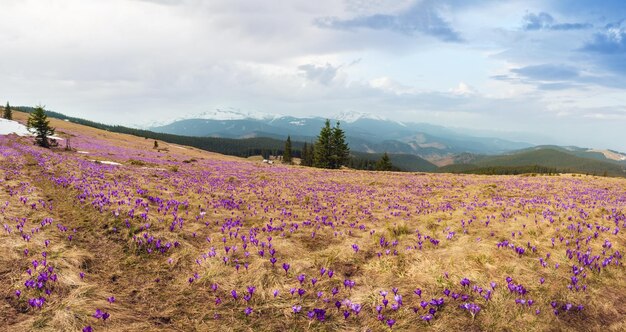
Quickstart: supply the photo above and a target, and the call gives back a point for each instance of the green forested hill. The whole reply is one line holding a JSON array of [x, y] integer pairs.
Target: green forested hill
[[544, 160]]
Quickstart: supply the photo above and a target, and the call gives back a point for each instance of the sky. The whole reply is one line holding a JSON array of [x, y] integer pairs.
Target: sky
[[540, 71]]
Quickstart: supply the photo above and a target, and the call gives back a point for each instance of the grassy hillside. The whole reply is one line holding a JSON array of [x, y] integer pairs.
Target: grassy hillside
[[547, 159], [117, 236]]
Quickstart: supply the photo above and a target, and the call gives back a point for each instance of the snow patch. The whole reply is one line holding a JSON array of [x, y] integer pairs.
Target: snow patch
[[298, 123], [13, 127], [106, 162]]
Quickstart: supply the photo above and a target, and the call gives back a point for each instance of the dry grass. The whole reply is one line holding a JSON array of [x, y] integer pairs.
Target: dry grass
[[225, 198]]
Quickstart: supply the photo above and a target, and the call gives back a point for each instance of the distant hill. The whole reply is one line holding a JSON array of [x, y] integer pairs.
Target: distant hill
[[551, 159], [365, 133]]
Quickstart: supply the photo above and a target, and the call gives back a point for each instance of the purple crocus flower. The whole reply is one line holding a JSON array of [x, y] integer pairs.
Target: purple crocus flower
[[390, 322], [234, 294], [248, 311], [87, 328], [296, 309], [286, 267]]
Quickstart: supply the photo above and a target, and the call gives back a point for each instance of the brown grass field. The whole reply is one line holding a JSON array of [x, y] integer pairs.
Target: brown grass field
[[170, 233]]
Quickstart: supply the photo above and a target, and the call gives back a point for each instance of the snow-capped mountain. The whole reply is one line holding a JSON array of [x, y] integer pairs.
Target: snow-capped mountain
[[364, 132], [232, 114], [352, 116]]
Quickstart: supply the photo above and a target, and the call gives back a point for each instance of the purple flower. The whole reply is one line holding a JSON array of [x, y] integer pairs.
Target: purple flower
[[390, 322], [296, 309], [427, 318], [248, 311], [251, 290], [111, 299], [338, 304], [234, 294], [418, 292], [346, 314], [313, 281], [322, 271], [286, 267], [18, 293], [275, 292], [330, 273], [87, 328], [301, 278]]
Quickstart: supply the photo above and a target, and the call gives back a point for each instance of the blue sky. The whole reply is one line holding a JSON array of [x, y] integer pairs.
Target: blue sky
[[541, 71]]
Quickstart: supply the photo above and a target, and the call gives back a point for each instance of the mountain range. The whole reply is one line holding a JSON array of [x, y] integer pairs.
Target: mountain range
[[364, 132]]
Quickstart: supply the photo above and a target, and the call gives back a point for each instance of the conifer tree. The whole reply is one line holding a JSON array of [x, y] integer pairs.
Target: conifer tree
[[39, 123], [304, 154], [384, 163], [310, 155], [323, 147], [340, 151], [8, 113], [287, 153]]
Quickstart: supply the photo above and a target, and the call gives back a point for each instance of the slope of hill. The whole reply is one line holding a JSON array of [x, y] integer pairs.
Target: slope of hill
[[551, 158], [114, 235]]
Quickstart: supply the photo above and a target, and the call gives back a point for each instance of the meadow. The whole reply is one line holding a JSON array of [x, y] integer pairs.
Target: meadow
[[116, 235]]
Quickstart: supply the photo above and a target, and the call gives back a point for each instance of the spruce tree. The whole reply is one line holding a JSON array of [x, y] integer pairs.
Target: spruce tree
[[287, 153], [310, 155], [8, 113], [340, 151], [38, 121], [384, 163], [323, 147], [304, 155]]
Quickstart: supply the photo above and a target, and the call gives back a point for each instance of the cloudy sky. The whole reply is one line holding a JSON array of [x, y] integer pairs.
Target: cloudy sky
[[553, 69]]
